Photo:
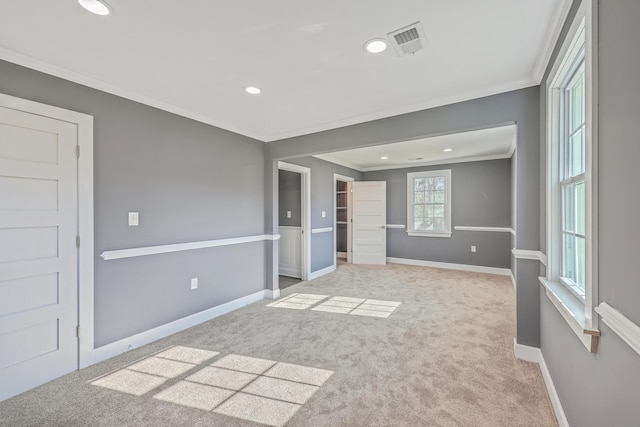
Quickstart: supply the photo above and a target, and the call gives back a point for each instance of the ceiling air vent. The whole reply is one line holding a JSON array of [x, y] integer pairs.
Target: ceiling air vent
[[408, 40]]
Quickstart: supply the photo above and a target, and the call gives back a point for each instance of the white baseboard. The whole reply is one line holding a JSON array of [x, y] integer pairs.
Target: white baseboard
[[320, 273], [513, 280], [116, 348], [451, 266], [533, 354], [272, 294]]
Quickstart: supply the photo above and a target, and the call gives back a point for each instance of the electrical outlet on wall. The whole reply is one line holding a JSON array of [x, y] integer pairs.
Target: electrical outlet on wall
[[288, 214], [473, 248], [324, 214], [194, 283]]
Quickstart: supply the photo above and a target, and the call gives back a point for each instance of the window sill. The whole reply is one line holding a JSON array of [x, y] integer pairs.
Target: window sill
[[428, 234], [573, 312]]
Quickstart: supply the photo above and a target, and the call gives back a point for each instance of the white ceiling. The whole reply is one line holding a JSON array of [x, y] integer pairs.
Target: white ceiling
[[195, 57], [485, 144]]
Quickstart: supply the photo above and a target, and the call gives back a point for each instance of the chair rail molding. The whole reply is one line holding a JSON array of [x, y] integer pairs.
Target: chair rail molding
[[530, 254], [163, 249], [322, 230], [621, 325], [496, 229]]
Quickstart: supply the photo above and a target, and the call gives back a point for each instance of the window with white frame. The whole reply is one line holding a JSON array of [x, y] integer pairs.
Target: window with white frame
[[571, 282], [571, 146], [429, 203]]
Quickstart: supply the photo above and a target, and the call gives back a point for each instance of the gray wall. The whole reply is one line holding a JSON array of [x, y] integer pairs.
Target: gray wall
[[188, 180], [602, 389], [481, 196], [521, 107], [290, 198], [322, 193]]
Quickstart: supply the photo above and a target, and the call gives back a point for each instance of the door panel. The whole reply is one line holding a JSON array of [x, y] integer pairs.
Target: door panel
[[369, 222], [38, 255], [289, 250]]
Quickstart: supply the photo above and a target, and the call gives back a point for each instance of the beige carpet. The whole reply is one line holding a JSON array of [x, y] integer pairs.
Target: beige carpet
[[443, 357]]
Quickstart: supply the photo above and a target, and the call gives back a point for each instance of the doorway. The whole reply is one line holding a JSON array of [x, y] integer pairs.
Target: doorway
[[342, 202], [293, 223]]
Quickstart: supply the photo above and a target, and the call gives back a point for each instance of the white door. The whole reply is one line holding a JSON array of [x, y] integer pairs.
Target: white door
[[289, 251], [369, 222], [38, 255]]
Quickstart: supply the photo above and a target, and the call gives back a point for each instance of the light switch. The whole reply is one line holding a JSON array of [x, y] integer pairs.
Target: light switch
[[288, 214], [133, 219], [324, 214]]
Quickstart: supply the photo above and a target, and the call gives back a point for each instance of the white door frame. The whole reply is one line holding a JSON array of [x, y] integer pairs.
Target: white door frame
[[305, 184], [337, 177], [85, 213]]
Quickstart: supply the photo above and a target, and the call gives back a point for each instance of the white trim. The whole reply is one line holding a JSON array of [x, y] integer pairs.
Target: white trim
[[451, 266], [526, 353], [534, 355], [320, 273], [178, 247], [584, 24], [85, 212], [621, 325], [572, 310], [497, 229], [271, 294], [513, 280], [427, 234], [122, 346], [341, 255], [321, 230], [396, 226], [415, 164], [554, 28], [290, 227], [305, 212], [530, 254]]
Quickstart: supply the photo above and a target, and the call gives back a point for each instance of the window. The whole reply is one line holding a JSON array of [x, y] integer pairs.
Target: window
[[429, 203], [572, 180], [571, 282]]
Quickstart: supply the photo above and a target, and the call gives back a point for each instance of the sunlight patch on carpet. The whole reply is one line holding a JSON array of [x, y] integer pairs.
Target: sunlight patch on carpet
[[259, 390]]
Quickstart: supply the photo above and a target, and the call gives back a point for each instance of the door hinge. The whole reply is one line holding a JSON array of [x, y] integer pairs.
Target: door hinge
[[78, 331], [78, 242], [77, 151]]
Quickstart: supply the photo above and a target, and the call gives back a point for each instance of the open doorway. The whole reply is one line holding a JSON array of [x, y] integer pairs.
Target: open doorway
[[342, 229], [293, 220]]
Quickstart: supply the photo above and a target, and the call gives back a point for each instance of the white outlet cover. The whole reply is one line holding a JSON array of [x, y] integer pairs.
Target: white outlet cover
[[134, 219], [324, 214], [288, 214], [194, 283]]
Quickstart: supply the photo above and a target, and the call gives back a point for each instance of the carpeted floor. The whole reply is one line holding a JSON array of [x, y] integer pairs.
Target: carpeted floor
[[444, 357]]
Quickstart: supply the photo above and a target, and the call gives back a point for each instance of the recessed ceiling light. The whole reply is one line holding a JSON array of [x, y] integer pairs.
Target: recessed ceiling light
[[98, 7], [375, 46], [448, 150], [384, 157], [252, 90]]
